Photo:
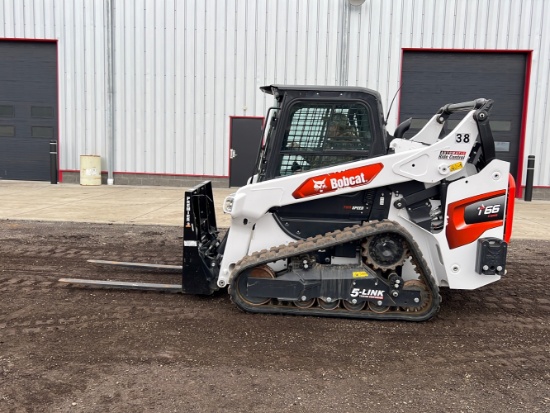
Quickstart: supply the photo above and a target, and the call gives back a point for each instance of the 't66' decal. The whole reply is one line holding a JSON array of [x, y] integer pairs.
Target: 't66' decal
[[488, 210]]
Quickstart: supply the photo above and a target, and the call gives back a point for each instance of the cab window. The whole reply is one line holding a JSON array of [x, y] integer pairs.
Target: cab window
[[325, 134]]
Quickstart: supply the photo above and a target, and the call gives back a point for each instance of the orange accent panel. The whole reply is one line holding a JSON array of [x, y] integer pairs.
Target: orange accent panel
[[458, 232]]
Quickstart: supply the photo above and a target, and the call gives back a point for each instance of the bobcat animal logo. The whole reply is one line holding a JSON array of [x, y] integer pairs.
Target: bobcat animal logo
[[319, 185]]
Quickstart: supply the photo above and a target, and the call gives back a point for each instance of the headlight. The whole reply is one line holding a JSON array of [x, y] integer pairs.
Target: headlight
[[228, 204]]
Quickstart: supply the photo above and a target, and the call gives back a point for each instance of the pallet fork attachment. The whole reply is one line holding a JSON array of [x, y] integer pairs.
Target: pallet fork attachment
[[200, 251]]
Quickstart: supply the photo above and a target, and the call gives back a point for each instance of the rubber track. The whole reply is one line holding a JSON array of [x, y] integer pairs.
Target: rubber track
[[328, 240]]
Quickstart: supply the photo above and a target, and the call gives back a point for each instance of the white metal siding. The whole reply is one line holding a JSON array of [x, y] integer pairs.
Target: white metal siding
[[183, 67]]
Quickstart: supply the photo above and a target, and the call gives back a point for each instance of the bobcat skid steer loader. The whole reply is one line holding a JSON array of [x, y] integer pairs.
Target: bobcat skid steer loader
[[342, 219]]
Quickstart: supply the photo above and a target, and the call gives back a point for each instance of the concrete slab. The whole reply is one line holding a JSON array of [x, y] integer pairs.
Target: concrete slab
[[102, 204], [147, 205], [531, 220]]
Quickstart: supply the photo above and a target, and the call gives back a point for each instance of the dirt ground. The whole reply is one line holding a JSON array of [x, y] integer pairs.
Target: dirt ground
[[70, 349]]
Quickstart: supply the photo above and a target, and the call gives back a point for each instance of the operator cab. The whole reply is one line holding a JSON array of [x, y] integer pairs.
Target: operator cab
[[313, 127]]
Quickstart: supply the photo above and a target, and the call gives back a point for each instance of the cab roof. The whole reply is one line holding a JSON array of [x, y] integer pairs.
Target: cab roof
[[279, 90]]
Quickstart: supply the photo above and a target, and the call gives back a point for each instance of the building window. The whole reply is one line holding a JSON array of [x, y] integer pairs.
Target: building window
[[45, 112], [42, 132], [7, 111], [7, 131]]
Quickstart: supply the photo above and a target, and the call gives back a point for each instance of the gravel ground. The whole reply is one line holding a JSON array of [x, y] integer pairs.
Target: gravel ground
[[71, 349]]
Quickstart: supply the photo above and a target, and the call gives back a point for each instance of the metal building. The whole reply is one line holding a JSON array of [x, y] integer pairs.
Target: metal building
[[163, 89]]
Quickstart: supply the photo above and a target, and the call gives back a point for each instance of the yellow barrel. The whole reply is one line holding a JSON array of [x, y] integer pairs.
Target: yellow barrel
[[90, 170]]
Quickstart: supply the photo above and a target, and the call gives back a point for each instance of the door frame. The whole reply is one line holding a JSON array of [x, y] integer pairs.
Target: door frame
[[56, 42]]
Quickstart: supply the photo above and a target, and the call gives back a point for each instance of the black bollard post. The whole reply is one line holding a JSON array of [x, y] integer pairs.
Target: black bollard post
[[529, 180], [53, 162]]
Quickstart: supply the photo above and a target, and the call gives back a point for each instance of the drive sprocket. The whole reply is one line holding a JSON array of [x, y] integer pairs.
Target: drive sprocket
[[385, 251]]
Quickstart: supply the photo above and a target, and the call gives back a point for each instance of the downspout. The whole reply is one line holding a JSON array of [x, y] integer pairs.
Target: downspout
[[343, 43], [110, 81]]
